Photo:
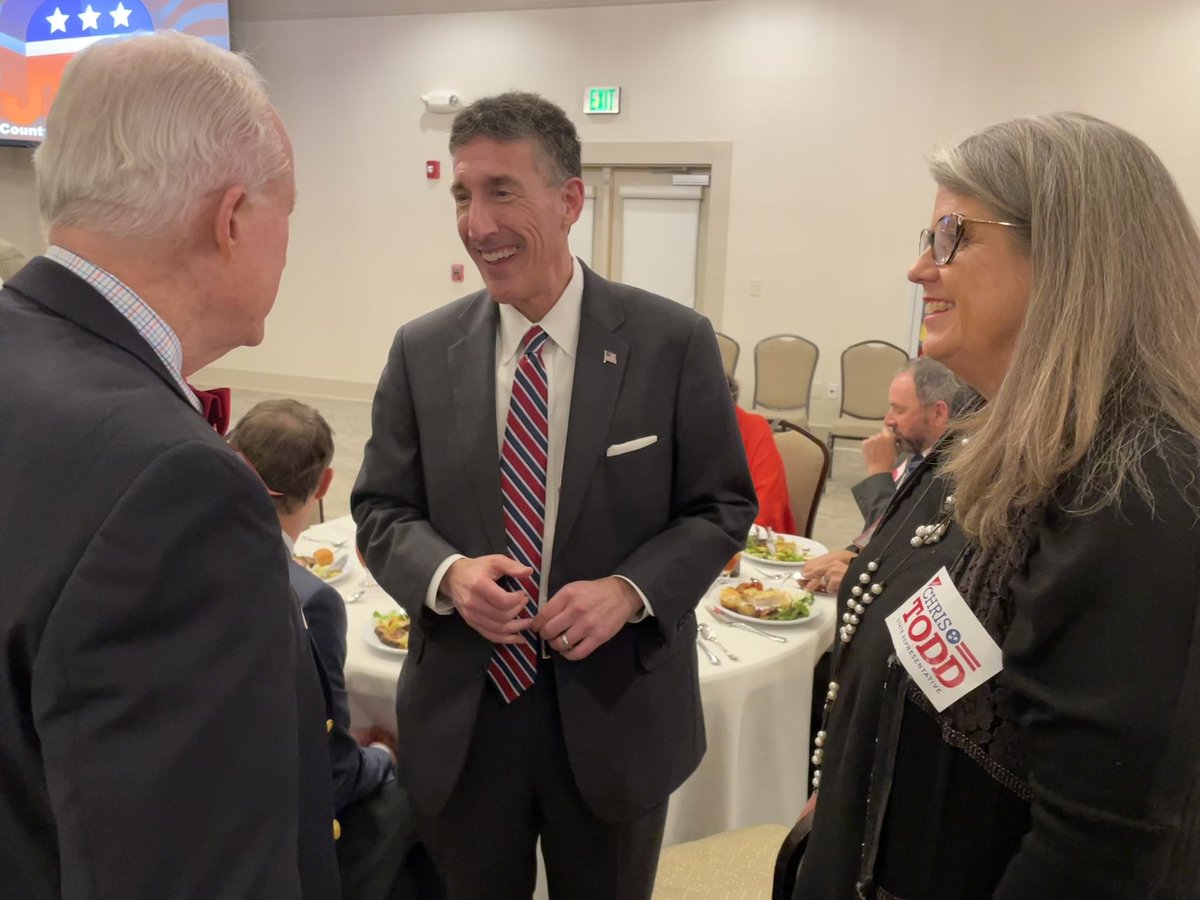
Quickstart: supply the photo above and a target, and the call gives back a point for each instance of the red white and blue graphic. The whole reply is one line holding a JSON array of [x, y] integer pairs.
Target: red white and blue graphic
[[39, 37]]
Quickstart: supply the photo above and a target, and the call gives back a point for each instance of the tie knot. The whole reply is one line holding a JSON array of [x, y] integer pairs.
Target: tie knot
[[535, 339]]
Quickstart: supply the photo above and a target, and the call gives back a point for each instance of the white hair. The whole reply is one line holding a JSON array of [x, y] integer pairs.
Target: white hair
[[144, 128]]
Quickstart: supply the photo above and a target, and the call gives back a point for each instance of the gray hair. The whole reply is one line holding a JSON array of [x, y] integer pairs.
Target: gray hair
[[934, 382], [144, 128], [517, 115], [1107, 364]]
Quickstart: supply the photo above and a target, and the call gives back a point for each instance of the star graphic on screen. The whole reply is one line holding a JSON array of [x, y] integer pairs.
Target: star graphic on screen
[[120, 15], [90, 18], [58, 21]]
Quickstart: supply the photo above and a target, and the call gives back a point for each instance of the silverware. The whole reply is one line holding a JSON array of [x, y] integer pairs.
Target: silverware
[[712, 657], [707, 633], [338, 545], [357, 595], [367, 582], [719, 615]]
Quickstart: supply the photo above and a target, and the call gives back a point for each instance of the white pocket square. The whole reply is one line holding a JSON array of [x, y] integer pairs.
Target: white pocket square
[[630, 446]]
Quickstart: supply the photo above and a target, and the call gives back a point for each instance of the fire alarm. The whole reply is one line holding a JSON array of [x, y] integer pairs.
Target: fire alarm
[[456, 272], [433, 169]]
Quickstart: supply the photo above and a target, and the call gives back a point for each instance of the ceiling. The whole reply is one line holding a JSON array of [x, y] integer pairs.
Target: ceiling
[[267, 10]]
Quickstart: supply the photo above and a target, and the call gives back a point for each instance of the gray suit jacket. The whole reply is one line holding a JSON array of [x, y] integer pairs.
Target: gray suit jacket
[[873, 494], [667, 517]]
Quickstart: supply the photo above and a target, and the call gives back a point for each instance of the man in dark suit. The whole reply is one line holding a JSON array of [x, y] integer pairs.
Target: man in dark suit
[[290, 445], [162, 718], [554, 478]]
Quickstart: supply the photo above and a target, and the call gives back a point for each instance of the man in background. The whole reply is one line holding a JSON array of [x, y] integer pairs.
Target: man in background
[[920, 399], [162, 719], [290, 445], [554, 478]]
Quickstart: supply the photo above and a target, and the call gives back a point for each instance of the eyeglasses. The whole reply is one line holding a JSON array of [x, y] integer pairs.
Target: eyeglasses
[[947, 234]]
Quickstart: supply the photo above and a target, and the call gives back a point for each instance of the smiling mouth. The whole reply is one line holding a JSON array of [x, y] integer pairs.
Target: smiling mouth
[[498, 255], [932, 307]]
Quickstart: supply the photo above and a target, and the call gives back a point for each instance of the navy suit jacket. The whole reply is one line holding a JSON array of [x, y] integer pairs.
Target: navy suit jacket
[[357, 770], [161, 728]]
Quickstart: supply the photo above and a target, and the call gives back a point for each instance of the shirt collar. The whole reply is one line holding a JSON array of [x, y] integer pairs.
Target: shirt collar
[[152, 328], [561, 323]]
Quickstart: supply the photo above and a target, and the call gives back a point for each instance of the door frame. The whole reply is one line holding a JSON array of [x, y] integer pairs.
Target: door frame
[[714, 224]]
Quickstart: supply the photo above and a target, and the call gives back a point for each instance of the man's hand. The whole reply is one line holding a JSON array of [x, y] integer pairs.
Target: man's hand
[[879, 452], [824, 573], [588, 613], [483, 604]]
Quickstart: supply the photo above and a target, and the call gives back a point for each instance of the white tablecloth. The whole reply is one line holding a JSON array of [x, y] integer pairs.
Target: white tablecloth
[[756, 710]]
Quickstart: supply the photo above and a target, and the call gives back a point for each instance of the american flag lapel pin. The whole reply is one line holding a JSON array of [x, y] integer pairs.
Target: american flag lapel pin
[[610, 357]]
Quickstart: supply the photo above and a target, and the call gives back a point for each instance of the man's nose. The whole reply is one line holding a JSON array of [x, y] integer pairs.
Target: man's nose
[[481, 224]]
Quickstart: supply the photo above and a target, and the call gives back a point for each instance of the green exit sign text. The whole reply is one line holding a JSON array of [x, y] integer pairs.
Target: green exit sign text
[[600, 101]]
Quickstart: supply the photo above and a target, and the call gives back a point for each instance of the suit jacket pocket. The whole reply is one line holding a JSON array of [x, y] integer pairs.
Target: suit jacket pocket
[[630, 446], [654, 651]]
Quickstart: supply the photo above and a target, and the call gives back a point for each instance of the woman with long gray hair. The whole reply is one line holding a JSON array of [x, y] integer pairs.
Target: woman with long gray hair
[[1025, 722]]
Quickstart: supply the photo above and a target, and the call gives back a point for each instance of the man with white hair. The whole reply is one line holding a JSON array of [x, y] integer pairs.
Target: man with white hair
[[163, 723]]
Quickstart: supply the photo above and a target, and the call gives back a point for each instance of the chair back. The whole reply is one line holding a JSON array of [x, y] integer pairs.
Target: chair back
[[806, 462], [730, 351], [784, 365], [11, 260], [868, 368]]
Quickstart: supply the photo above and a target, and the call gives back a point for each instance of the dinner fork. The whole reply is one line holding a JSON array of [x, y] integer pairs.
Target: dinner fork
[[707, 633], [719, 614]]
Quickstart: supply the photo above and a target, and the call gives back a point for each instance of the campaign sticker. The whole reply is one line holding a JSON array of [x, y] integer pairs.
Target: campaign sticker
[[941, 644]]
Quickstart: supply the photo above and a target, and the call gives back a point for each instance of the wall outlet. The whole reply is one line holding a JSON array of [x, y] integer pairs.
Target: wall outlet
[[831, 390]]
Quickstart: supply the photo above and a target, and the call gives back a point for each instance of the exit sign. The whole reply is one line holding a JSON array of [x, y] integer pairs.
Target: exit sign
[[602, 101]]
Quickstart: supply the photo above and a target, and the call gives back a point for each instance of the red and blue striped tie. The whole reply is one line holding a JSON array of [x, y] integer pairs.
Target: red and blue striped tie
[[513, 667]]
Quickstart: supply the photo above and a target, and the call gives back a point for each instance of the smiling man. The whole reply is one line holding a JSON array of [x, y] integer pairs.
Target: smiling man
[[554, 477]]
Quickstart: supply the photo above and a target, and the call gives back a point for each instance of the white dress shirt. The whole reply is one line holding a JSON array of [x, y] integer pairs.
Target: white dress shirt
[[561, 325]]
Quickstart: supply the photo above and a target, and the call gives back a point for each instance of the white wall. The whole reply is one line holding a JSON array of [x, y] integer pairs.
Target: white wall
[[19, 223], [831, 105]]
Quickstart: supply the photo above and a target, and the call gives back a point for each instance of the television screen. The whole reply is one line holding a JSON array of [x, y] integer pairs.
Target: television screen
[[38, 38]]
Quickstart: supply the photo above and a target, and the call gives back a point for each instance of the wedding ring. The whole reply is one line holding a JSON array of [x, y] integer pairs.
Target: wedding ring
[[566, 644]]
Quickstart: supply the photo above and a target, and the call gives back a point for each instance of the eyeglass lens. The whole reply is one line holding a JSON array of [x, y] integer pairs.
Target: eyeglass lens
[[942, 239]]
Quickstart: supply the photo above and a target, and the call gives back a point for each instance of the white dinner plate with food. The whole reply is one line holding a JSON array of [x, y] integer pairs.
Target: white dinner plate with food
[[333, 571], [386, 632], [757, 604], [787, 551], [814, 613]]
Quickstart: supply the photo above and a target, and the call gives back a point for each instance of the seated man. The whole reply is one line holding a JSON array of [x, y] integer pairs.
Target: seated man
[[766, 468], [290, 445], [919, 403]]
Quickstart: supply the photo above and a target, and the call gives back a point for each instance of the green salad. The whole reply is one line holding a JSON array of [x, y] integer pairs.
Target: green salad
[[778, 550]]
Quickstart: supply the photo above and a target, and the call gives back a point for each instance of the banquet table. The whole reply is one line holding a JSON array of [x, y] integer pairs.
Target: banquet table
[[756, 710]]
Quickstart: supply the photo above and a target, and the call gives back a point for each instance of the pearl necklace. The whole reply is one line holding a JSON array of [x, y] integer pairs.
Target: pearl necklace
[[869, 588]]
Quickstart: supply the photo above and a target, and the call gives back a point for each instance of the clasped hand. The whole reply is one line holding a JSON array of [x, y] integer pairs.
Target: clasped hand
[[585, 613]]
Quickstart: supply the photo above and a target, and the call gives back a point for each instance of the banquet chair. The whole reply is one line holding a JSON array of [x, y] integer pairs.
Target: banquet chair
[[11, 260], [730, 351], [747, 864], [868, 368], [784, 365], [806, 463]]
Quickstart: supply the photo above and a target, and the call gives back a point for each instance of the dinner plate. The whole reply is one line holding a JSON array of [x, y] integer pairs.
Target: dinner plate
[[373, 641], [341, 576], [814, 612], [806, 546]]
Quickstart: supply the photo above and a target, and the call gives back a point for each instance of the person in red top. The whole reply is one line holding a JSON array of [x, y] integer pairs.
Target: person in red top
[[766, 468]]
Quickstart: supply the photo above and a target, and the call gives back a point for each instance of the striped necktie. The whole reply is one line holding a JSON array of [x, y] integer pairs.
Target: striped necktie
[[513, 667]]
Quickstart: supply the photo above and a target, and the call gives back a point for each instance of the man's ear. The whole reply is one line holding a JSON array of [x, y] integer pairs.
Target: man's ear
[[227, 219], [941, 413], [572, 195], [323, 484]]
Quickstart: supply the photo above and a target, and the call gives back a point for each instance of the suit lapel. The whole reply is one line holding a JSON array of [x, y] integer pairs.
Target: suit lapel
[[593, 397], [65, 294], [472, 367]]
